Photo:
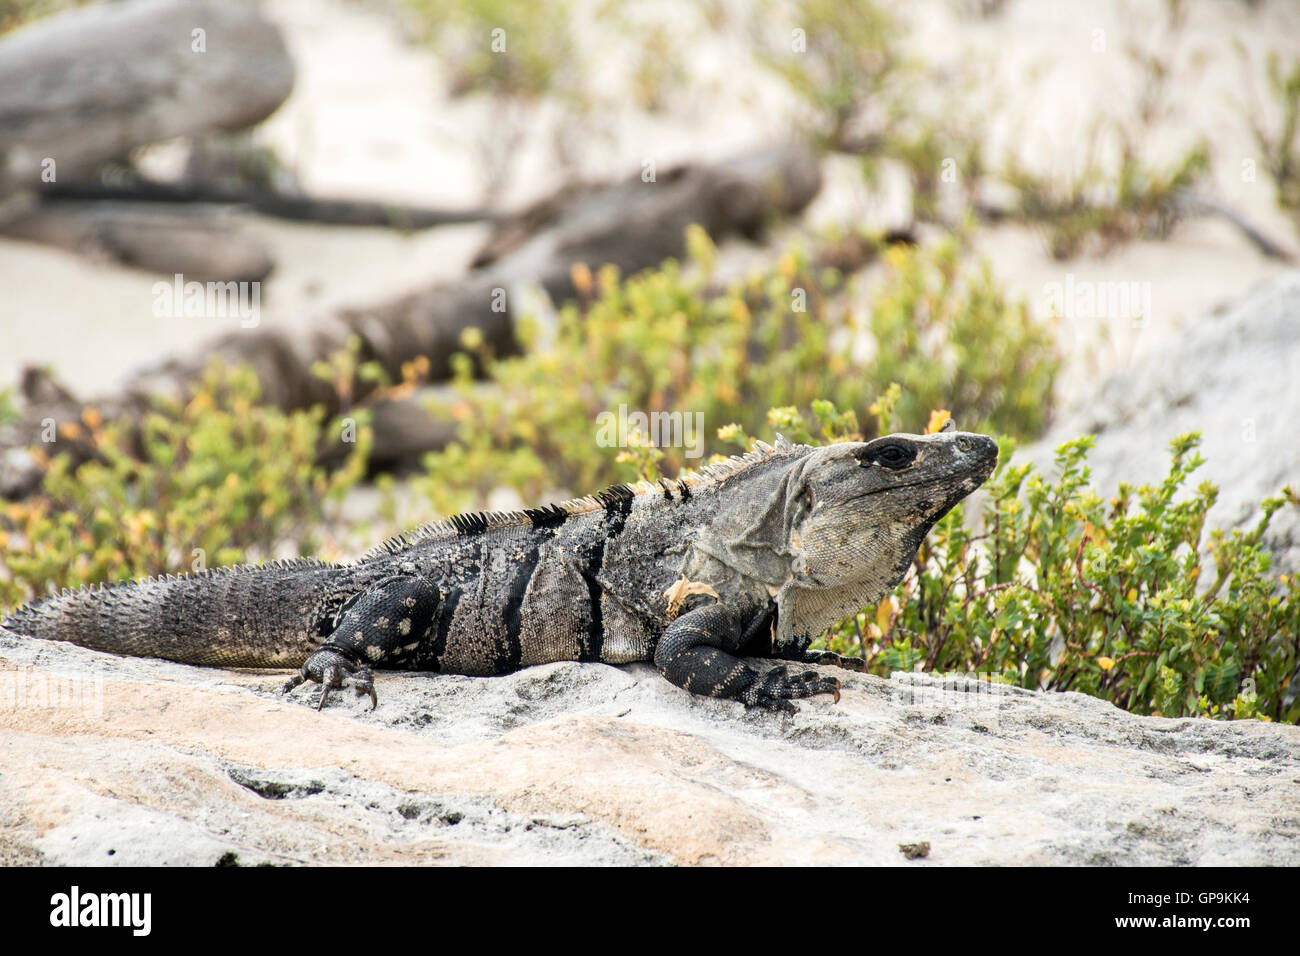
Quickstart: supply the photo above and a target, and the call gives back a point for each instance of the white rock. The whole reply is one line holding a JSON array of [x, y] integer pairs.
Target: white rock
[[584, 763]]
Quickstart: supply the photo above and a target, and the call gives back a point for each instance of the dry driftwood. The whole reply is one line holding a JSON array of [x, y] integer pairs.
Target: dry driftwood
[[88, 86], [335, 212], [198, 242], [631, 224], [1198, 204]]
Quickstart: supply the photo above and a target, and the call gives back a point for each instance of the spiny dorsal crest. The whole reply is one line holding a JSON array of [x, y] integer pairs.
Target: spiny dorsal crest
[[683, 487]]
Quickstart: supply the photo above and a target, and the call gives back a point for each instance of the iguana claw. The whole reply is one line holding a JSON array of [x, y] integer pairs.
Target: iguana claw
[[777, 688], [331, 669]]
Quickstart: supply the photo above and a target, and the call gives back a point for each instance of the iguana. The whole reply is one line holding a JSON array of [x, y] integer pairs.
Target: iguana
[[754, 556]]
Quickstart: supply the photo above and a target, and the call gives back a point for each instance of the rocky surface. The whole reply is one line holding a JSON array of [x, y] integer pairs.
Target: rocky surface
[[1233, 376], [159, 763]]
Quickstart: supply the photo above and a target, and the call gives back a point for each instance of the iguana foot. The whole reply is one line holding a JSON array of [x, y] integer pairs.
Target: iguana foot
[[827, 658], [777, 688], [695, 652], [331, 669]]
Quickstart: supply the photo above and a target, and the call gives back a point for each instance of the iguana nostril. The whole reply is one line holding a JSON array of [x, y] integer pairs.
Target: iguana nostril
[[965, 444]]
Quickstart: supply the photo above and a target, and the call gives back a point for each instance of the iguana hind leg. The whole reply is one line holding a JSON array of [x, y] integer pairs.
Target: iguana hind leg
[[329, 668], [384, 627], [696, 652]]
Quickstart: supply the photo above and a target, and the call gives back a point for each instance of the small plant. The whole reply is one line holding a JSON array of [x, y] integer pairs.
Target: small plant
[[545, 82], [515, 55], [216, 479], [17, 13], [510, 50], [862, 94], [1102, 210], [1103, 204], [1281, 146], [844, 61]]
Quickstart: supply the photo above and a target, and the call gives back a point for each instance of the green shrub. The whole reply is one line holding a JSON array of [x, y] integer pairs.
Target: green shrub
[[1063, 590], [661, 341], [533, 50], [1105, 204], [844, 60], [218, 479], [1082, 215], [19, 13], [1281, 146]]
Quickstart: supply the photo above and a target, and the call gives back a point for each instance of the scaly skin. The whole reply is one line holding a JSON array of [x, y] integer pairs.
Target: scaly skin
[[754, 557]]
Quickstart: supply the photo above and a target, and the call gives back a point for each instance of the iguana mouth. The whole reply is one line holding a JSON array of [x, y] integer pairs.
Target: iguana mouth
[[923, 482]]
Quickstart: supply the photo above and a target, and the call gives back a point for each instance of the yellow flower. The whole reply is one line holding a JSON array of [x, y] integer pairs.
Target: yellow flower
[[884, 614], [136, 525], [938, 418], [1105, 663], [580, 275]]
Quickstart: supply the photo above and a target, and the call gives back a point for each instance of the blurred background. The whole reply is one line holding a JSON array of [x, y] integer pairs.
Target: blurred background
[[1066, 137]]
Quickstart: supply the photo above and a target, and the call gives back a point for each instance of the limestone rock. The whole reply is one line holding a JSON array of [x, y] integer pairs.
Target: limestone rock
[[160, 763]]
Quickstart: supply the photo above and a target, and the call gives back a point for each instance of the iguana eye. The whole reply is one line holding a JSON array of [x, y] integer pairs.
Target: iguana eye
[[891, 455]]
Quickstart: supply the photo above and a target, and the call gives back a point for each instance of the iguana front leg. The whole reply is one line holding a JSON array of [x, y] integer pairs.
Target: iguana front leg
[[696, 653]]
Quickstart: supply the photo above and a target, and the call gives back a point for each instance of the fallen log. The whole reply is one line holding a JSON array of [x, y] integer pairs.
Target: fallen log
[[1193, 204], [335, 212], [199, 242]]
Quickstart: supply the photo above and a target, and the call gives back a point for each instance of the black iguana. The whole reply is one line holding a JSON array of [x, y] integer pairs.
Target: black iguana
[[755, 556]]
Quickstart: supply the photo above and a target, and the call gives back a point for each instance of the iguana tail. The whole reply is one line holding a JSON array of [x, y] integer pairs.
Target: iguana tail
[[247, 616]]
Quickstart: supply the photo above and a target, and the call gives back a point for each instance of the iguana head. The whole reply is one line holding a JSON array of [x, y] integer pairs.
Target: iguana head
[[829, 531], [864, 507]]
